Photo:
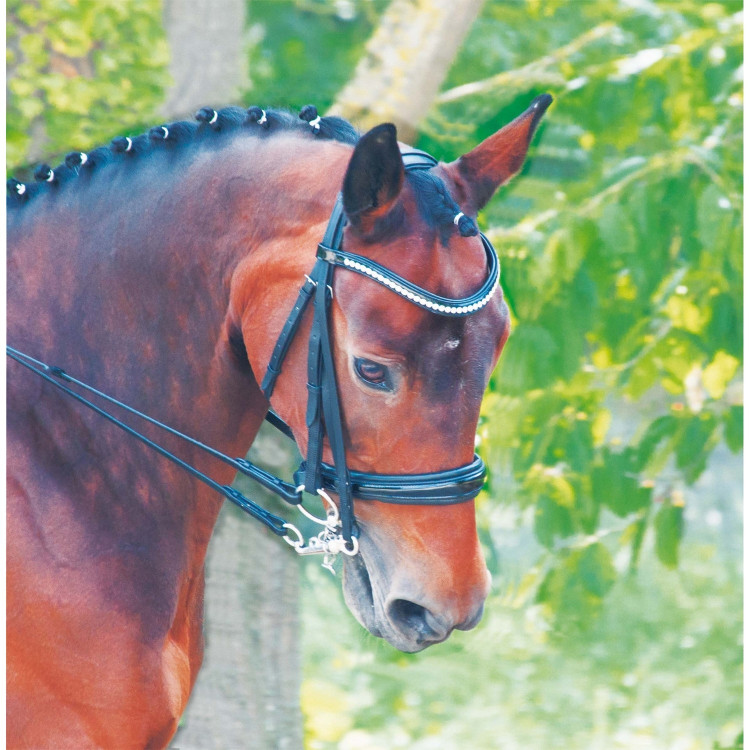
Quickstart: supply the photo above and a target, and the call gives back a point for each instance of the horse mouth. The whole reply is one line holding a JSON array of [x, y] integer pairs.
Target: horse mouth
[[358, 593]]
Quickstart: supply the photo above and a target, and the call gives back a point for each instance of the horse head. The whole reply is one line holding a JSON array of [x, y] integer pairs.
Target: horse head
[[410, 381]]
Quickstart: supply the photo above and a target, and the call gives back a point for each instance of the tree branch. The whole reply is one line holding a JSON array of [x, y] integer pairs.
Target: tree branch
[[405, 63]]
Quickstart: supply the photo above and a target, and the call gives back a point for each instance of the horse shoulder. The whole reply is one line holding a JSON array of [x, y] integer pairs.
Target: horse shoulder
[[103, 645]]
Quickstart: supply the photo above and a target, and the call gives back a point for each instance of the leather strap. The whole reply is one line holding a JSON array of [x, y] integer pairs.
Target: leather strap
[[436, 488], [54, 375], [413, 159], [314, 414], [332, 414], [286, 337], [446, 306]]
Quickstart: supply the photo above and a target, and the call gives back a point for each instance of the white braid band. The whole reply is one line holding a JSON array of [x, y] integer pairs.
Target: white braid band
[[315, 123], [263, 120], [457, 217], [214, 118]]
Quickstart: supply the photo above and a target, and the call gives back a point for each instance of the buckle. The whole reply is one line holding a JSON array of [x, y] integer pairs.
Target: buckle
[[327, 254]]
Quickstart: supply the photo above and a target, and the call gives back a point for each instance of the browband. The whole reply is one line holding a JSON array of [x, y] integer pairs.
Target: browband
[[416, 294]]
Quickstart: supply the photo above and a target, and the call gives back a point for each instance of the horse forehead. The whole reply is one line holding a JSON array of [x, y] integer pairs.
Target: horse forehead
[[393, 322], [462, 348], [449, 352]]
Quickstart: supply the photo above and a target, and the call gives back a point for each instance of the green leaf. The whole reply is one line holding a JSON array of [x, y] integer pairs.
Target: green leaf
[[596, 569], [669, 527], [662, 428], [552, 521], [714, 216], [733, 426], [616, 231], [532, 362], [615, 483], [724, 329], [718, 373], [573, 589], [697, 439]]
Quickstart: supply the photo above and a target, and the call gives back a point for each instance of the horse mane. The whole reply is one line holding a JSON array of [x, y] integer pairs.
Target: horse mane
[[212, 127]]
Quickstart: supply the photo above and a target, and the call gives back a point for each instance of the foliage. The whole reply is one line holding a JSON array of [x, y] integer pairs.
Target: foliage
[[305, 50], [660, 668], [622, 265], [78, 75], [614, 620]]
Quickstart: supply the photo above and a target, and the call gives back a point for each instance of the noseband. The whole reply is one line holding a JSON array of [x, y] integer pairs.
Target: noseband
[[323, 415]]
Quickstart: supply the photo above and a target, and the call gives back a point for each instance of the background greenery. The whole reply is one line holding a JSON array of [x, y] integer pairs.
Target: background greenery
[[611, 518], [79, 73]]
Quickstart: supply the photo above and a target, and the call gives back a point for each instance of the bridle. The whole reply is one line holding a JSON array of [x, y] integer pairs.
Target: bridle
[[323, 415]]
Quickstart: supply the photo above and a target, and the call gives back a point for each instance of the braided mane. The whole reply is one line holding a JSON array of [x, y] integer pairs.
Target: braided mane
[[211, 127]]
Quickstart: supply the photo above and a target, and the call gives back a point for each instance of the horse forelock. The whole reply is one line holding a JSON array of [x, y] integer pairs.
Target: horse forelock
[[437, 206]]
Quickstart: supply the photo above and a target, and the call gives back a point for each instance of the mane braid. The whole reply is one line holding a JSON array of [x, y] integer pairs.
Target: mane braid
[[211, 128], [436, 205]]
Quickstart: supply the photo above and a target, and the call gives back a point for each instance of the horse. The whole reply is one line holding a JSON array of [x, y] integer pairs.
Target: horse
[[161, 269]]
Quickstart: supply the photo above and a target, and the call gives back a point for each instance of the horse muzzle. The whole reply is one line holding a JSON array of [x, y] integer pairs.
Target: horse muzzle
[[411, 602]]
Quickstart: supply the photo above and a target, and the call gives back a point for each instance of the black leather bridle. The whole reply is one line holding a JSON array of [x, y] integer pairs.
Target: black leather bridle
[[323, 415]]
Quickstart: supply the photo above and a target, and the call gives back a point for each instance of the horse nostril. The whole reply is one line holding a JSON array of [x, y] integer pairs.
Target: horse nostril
[[414, 619]]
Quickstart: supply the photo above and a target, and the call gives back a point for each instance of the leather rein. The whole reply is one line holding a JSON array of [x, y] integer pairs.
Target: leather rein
[[323, 416]]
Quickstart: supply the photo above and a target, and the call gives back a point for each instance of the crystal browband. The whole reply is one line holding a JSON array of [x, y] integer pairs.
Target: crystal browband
[[416, 294]]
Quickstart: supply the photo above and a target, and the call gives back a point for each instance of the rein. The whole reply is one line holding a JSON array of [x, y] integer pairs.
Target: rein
[[323, 415]]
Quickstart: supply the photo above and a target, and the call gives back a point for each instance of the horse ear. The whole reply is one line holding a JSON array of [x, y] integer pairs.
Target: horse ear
[[493, 162], [374, 177]]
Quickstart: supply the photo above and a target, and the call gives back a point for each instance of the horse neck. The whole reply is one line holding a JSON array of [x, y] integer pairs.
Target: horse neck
[[126, 284]]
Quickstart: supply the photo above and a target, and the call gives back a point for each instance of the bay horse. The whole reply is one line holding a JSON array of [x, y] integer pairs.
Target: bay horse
[[162, 269]]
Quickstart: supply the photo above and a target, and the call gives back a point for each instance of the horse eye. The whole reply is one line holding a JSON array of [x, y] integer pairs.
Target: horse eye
[[373, 374]]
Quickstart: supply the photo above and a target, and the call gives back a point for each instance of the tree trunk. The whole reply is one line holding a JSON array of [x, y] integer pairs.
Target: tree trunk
[[247, 693], [405, 62], [207, 60]]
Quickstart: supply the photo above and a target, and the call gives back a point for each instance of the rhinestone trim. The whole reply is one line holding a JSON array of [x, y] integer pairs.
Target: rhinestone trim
[[417, 299]]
